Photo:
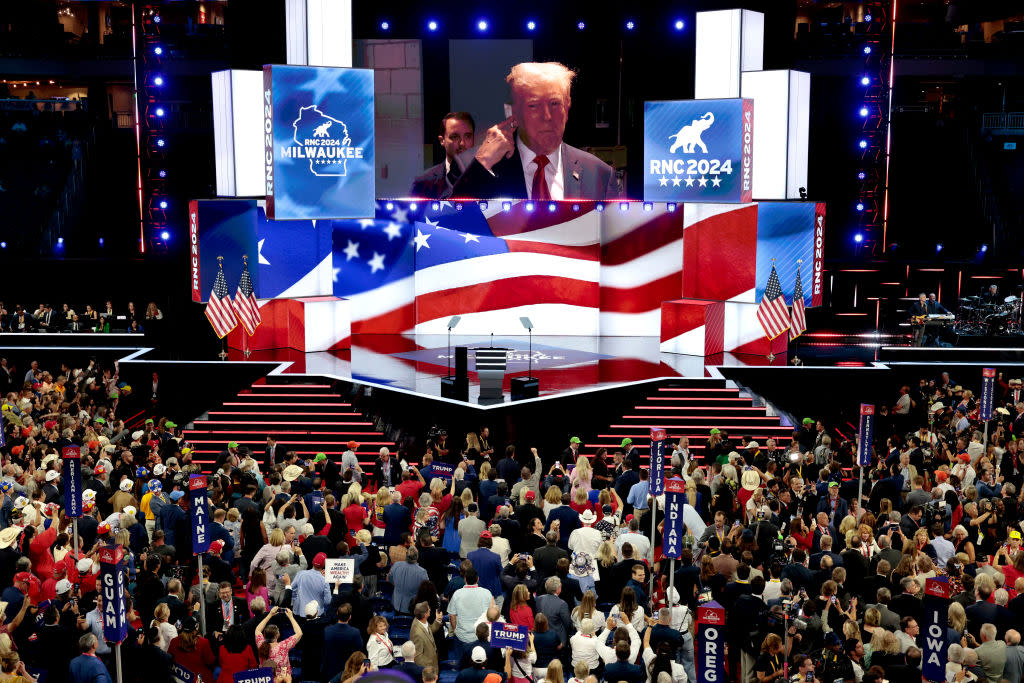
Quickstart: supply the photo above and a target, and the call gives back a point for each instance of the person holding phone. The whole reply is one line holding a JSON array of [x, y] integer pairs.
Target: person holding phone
[[268, 643], [803, 670]]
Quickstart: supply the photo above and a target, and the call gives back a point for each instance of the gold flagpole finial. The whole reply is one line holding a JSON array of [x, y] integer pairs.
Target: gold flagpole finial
[[220, 261]]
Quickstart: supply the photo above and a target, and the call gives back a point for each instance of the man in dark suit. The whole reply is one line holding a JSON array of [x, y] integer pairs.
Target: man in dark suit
[[797, 572], [907, 604], [226, 611], [524, 156], [555, 609], [822, 528], [457, 134], [273, 453], [981, 612], [340, 640], [386, 469]]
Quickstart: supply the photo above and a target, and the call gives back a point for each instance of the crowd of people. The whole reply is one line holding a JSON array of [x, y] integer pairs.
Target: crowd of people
[[819, 583], [46, 318]]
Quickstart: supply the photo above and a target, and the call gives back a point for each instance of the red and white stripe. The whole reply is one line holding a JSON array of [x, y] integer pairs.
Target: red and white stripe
[[220, 314]]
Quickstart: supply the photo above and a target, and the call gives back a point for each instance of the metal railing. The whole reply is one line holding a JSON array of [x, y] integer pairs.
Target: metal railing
[[1012, 122]]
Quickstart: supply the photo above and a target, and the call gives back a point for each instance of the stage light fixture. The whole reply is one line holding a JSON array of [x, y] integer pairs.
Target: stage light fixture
[[867, 49], [60, 241], [101, 241], [864, 80], [529, 206], [867, 18], [575, 207], [156, 19], [648, 206], [481, 25], [860, 206], [630, 25], [864, 112], [162, 173], [431, 25], [984, 248], [670, 206], [159, 111], [506, 206], [412, 206], [862, 175], [599, 207], [679, 25], [623, 206], [163, 204], [483, 206], [531, 25], [158, 50], [384, 26], [158, 80], [858, 238], [863, 144], [938, 247], [165, 235], [160, 142], [3, 245], [552, 206], [389, 207], [435, 206], [581, 25]]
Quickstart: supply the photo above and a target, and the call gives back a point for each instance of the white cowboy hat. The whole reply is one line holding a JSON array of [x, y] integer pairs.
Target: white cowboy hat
[[750, 480]]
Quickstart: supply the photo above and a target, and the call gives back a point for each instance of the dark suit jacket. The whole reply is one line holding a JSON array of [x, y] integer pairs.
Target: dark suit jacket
[[340, 641], [215, 620], [557, 612], [907, 605], [433, 184], [584, 176], [395, 472]]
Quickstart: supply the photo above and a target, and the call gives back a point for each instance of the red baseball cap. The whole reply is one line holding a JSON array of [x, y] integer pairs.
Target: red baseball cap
[[320, 560], [216, 546], [941, 475], [530, 495], [23, 576], [486, 534]]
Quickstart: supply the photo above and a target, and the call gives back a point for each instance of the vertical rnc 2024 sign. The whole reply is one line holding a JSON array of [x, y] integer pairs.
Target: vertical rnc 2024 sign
[[657, 461], [72, 456], [699, 151], [710, 643], [933, 628], [865, 434], [988, 386], [115, 617], [318, 142], [200, 514]]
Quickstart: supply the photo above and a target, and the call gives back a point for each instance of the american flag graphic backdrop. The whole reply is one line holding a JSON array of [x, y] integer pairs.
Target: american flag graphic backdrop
[[572, 269]]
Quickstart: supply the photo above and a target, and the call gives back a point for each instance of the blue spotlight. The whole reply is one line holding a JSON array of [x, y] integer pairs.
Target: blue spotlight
[[481, 25], [158, 50], [599, 207], [581, 25], [156, 19], [862, 175], [531, 25], [384, 26], [101, 241], [938, 247], [529, 206], [431, 25], [163, 204], [630, 25], [863, 144], [162, 173], [575, 207], [864, 80], [506, 206], [984, 248], [412, 206], [552, 207], [159, 111], [860, 206], [60, 241], [670, 206], [679, 25], [158, 80], [867, 18], [623, 206], [864, 112], [648, 206], [435, 206], [160, 142], [3, 245], [389, 207], [165, 235], [867, 49], [483, 206], [858, 238]]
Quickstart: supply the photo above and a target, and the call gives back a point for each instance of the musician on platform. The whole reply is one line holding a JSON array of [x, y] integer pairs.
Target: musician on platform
[[934, 306], [922, 308], [991, 295]]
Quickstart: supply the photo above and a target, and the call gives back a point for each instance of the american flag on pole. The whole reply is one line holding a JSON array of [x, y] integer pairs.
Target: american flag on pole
[[244, 304], [773, 313], [218, 308], [798, 320]]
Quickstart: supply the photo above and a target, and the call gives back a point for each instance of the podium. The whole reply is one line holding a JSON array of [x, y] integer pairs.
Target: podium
[[490, 369]]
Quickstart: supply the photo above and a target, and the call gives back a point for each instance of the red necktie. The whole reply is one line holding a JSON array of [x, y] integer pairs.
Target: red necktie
[[540, 191]]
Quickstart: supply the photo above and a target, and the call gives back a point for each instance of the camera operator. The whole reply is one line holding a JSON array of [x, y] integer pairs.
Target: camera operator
[[767, 534]]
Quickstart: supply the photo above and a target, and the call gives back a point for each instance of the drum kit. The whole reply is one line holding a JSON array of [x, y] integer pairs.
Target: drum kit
[[979, 317]]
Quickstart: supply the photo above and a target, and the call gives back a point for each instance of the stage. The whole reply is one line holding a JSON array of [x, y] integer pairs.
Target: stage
[[564, 365]]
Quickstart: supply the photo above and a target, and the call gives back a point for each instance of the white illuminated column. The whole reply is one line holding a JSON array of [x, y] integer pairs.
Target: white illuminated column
[[782, 111], [729, 42], [238, 132], [319, 32]]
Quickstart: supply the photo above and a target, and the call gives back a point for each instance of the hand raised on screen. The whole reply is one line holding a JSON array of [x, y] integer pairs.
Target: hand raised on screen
[[497, 144]]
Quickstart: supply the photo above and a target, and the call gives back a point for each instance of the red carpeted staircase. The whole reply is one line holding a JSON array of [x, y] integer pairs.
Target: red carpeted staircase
[[306, 418], [692, 411]]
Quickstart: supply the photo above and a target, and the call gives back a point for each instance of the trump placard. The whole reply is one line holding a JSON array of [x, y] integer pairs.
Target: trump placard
[[699, 151], [509, 635], [318, 142]]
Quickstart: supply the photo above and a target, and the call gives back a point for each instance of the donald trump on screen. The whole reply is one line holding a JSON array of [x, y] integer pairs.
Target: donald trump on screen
[[524, 157]]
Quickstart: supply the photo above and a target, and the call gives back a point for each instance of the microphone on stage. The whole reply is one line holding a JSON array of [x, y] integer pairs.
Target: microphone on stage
[[492, 340]]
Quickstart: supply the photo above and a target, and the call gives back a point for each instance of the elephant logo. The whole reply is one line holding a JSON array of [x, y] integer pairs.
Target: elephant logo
[[321, 130], [688, 136]]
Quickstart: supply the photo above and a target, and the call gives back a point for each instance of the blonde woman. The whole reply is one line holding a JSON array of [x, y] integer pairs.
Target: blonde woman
[[381, 501], [606, 556], [868, 546], [167, 630], [587, 609], [264, 558], [552, 500], [957, 617], [581, 476]]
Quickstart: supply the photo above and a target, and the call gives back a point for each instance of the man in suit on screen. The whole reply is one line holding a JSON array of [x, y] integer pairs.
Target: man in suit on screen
[[524, 157], [457, 134]]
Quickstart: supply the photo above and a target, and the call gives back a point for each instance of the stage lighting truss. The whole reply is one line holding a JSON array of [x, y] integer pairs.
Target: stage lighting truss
[[872, 116], [154, 123]]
